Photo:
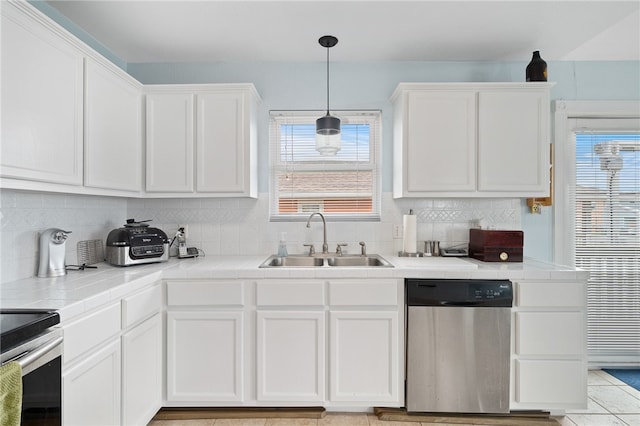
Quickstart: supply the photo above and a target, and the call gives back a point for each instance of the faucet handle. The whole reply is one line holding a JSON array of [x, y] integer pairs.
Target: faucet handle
[[312, 249], [363, 248], [339, 248]]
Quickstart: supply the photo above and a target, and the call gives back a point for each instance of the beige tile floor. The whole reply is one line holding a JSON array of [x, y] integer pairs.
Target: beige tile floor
[[611, 403]]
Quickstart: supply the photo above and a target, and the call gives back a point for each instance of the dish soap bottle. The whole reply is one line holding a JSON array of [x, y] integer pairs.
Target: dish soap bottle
[[282, 246]]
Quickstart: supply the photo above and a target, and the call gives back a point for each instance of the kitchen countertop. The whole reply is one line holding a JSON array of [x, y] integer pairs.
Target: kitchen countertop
[[81, 291]]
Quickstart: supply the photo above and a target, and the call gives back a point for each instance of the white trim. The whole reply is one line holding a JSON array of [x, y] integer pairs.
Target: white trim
[[564, 165]]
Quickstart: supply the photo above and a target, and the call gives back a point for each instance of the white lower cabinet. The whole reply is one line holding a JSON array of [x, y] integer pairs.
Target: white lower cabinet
[[364, 356], [548, 383], [204, 356], [549, 362], [205, 342], [285, 342], [91, 389], [142, 372], [290, 356], [366, 342], [112, 362]]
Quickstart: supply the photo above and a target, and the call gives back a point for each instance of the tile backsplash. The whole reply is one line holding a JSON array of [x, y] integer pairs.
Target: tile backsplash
[[235, 226], [23, 215]]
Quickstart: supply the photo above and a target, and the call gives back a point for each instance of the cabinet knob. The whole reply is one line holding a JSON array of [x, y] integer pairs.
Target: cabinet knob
[[504, 256]]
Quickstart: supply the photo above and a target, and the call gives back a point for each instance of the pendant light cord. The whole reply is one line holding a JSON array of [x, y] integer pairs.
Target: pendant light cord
[[327, 80]]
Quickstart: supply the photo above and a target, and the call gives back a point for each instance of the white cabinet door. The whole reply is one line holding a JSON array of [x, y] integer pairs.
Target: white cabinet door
[[170, 142], [205, 356], [440, 145], [549, 383], [364, 362], [142, 372], [91, 390], [513, 144], [42, 77], [220, 135], [290, 356], [113, 123]]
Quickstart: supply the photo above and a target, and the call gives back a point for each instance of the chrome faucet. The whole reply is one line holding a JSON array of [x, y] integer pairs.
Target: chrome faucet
[[325, 246]]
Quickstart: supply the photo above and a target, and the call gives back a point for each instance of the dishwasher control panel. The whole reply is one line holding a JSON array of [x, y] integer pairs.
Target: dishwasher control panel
[[456, 292]]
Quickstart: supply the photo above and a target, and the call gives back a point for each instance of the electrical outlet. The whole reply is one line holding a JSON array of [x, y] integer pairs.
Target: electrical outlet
[[397, 231], [185, 231]]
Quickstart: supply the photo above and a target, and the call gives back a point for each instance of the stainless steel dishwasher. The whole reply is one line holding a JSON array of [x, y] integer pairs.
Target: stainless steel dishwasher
[[458, 345]]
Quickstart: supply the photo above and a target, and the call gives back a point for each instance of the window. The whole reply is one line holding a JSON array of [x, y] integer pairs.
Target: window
[[344, 186]]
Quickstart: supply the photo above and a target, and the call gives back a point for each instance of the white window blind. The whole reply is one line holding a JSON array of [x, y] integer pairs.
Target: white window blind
[[344, 186], [607, 240]]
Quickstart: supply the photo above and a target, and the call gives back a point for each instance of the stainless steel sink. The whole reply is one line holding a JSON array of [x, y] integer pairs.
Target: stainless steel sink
[[292, 261], [304, 261], [370, 260]]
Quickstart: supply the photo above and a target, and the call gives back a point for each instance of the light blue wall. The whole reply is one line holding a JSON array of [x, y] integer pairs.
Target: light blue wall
[[369, 86]]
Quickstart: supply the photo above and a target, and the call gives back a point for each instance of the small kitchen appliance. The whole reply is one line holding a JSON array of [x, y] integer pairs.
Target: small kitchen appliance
[[496, 246], [52, 253], [136, 243]]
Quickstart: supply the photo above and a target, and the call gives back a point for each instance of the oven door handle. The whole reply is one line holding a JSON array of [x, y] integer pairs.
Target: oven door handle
[[27, 359]]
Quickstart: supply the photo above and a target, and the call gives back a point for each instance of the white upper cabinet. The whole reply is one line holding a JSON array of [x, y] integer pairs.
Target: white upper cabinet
[[443, 126], [513, 144], [113, 129], [471, 140], [202, 139], [170, 142], [42, 76]]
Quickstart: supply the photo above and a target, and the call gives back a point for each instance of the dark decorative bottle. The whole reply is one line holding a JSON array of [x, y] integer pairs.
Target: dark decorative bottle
[[537, 68]]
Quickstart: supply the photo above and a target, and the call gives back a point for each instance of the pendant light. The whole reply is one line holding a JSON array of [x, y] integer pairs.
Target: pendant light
[[328, 127]]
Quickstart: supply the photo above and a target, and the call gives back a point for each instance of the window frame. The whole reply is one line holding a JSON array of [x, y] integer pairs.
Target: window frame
[[372, 117]]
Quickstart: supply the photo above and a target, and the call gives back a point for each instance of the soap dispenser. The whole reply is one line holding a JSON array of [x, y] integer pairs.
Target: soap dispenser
[[52, 253], [282, 246]]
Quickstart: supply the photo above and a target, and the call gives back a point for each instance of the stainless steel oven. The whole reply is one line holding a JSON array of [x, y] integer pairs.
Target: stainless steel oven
[[31, 338]]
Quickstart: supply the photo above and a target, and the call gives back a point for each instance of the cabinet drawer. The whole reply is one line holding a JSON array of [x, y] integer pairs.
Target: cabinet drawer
[[550, 333], [370, 292], [215, 293], [551, 382], [90, 331], [296, 293], [550, 294], [141, 305]]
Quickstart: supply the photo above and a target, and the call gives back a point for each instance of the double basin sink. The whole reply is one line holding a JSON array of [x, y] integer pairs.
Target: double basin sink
[[304, 261]]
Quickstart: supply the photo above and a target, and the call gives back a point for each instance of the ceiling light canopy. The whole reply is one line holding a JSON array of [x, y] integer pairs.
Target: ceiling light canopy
[[328, 127]]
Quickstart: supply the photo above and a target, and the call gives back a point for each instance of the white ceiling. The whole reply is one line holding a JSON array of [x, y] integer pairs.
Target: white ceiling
[[418, 30]]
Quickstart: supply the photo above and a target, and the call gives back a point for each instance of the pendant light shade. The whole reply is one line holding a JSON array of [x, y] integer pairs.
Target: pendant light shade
[[328, 125]]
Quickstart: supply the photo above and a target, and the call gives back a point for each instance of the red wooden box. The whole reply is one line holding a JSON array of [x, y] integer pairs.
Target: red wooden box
[[496, 246]]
